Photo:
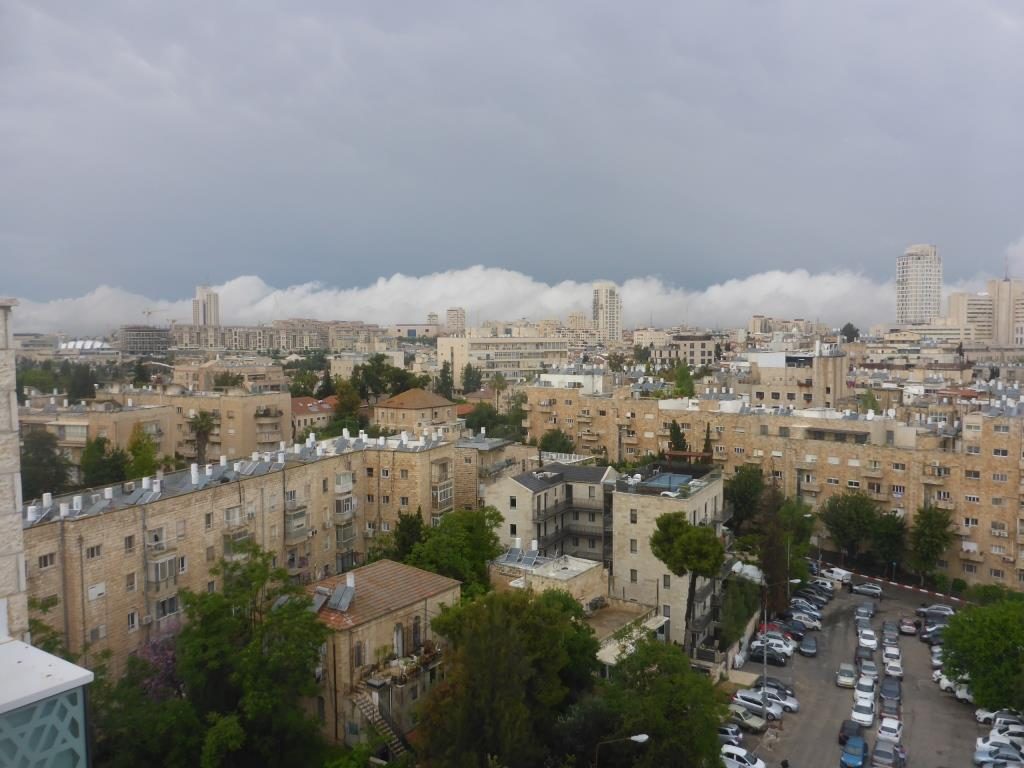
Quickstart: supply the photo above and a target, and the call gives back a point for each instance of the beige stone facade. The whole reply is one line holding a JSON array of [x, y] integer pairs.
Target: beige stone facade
[[12, 557], [257, 374], [118, 563], [481, 461], [974, 468], [415, 410], [517, 358]]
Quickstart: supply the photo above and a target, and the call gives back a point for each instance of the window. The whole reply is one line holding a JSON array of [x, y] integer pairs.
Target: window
[[970, 522], [899, 466], [853, 483], [208, 521], [273, 531], [739, 450], [970, 498], [1000, 452], [592, 543], [358, 654], [511, 502], [783, 431], [385, 499], [666, 611], [369, 471], [970, 568], [403, 501], [998, 549], [575, 541], [129, 544], [633, 576], [999, 477], [129, 582], [47, 561], [632, 516], [996, 573], [632, 545], [97, 633], [179, 529], [666, 581], [1002, 428], [167, 607], [385, 472], [91, 553], [899, 490], [369, 498], [832, 480], [974, 450], [98, 590], [997, 501], [323, 485], [211, 586], [403, 474], [972, 474], [182, 564], [211, 554], [133, 621]]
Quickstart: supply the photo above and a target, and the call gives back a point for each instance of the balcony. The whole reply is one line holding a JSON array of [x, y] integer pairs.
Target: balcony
[[442, 496], [631, 440], [960, 530], [871, 471], [1020, 537], [296, 531], [231, 544], [590, 437], [162, 579], [345, 484], [972, 555], [161, 545], [344, 510], [934, 475], [584, 419], [296, 565], [265, 414], [294, 505], [232, 522], [944, 504]]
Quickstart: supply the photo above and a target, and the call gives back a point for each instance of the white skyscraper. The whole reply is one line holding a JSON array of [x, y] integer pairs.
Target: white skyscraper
[[206, 307], [607, 312], [456, 320], [918, 285]]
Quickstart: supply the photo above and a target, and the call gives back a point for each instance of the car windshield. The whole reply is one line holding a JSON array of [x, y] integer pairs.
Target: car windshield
[[853, 747]]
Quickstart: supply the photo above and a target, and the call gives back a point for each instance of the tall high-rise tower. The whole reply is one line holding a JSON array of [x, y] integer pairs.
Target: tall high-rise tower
[[206, 307], [456, 320], [607, 312], [918, 285]]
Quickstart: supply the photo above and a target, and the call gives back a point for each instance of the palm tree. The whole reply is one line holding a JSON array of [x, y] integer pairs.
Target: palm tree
[[499, 384], [203, 424]]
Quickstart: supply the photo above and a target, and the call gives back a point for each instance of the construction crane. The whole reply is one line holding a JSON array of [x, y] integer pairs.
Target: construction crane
[[150, 312]]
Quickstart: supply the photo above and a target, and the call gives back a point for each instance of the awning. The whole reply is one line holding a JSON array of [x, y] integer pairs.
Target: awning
[[611, 652]]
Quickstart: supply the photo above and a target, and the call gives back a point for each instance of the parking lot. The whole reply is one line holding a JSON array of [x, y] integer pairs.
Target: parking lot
[[939, 731]]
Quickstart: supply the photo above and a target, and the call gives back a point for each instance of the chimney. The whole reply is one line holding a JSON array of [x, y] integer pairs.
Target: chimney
[[282, 445], [65, 511], [350, 580], [312, 437], [65, 402], [344, 433], [280, 458], [483, 431], [147, 483], [195, 474], [108, 493], [223, 460], [47, 500], [156, 485]]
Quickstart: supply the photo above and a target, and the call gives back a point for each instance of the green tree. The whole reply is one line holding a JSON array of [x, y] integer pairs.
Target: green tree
[[987, 643], [743, 492], [657, 693], [201, 427], [326, 387], [445, 384], [889, 539], [868, 402], [143, 452], [557, 441], [349, 402], [101, 464], [227, 379], [930, 536], [742, 600], [43, 468], [687, 549], [247, 654], [849, 519], [641, 354], [460, 547], [676, 438], [81, 383], [616, 362], [409, 531], [707, 450], [774, 550], [472, 379], [849, 332], [483, 415], [140, 375], [303, 383], [684, 386], [517, 660], [499, 384]]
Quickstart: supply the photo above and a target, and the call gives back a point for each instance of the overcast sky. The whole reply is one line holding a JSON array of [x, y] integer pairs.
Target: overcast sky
[[146, 147]]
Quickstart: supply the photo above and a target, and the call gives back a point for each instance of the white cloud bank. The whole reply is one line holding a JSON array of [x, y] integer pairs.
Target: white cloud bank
[[486, 293]]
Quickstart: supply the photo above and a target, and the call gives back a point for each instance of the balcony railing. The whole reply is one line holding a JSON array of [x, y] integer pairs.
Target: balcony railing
[[972, 555], [294, 534], [166, 582], [345, 485]]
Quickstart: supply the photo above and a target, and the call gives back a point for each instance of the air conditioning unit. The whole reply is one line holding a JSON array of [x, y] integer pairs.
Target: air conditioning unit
[[147, 619]]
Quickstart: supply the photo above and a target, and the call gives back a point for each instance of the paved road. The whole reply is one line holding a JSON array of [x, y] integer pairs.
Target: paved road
[[939, 731]]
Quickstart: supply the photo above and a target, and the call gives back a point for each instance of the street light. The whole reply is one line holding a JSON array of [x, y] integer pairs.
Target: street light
[[638, 738]]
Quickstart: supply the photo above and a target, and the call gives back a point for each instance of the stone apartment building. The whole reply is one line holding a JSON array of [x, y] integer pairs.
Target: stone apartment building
[[311, 415], [415, 410], [117, 557], [559, 509], [74, 426], [637, 575], [517, 358], [481, 461], [257, 374], [971, 464], [382, 656], [245, 422]]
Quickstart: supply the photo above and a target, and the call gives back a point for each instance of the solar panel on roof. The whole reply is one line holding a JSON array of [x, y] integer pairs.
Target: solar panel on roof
[[513, 555], [530, 558], [319, 598], [335, 600], [346, 598]]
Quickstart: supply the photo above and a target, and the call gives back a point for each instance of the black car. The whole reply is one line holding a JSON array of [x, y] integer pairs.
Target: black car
[[763, 653], [795, 629], [890, 638], [811, 597], [889, 708], [891, 626], [848, 729], [932, 636], [890, 690], [774, 682], [863, 654], [808, 646]]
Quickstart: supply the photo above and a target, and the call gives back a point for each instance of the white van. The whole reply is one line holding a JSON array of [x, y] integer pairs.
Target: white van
[[837, 574]]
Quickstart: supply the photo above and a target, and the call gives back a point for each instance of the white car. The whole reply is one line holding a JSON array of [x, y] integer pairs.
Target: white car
[[1014, 733], [891, 653], [986, 716], [775, 645], [890, 728], [867, 639], [778, 636], [985, 742], [863, 713], [738, 757], [963, 693], [894, 669], [946, 685], [807, 620], [864, 691]]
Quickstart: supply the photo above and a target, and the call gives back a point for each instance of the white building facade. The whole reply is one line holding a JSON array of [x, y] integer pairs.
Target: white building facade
[[918, 285]]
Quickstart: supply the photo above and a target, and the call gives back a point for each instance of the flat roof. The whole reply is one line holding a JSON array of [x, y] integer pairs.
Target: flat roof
[[31, 674]]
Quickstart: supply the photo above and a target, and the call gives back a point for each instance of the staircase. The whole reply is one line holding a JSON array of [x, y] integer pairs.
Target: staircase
[[363, 700]]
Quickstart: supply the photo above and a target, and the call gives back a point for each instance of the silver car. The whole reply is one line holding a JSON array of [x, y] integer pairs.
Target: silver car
[[752, 701], [788, 703], [846, 676]]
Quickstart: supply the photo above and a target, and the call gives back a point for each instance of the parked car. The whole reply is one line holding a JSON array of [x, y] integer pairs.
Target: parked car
[[1000, 720], [802, 606], [860, 623], [761, 654], [890, 708], [932, 636], [866, 638], [894, 669], [907, 626], [891, 653], [946, 684], [775, 638], [864, 691], [854, 753], [1012, 732], [795, 629], [869, 668], [788, 703], [863, 654], [997, 741], [888, 754], [812, 596], [824, 584], [867, 588], [849, 729], [730, 733], [846, 676], [869, 608], [809, 621], [890, 638], [963, 693], [890, 728], [738, 757], [808, 647], [943, 608], [773, 682], [837, 574], [751, 699], [863, 612], [746, 719], [780, 646], [992, 755], [863, 713], [986, 716]]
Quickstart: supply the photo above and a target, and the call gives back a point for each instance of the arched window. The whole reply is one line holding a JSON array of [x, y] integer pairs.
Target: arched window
[[417, 640], [359, 653]]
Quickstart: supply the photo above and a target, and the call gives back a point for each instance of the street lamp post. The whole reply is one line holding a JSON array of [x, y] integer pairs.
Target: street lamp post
[[638, 738]]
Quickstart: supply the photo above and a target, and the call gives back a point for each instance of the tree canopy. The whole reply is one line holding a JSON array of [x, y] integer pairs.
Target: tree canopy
[[676, 438], [849, 332], [226, 379], [743, 491], [377, 377], [986, 642], [142, 450], [102, 464], [445, 384], [850, 518], [930, 536], [461, 546], [557, 441], [687, 549], [43, 468], [202, 426], [472, 379], [684, 386], [303, 383]]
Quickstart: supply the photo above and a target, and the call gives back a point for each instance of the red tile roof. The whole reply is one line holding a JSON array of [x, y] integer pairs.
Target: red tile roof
[[309, 406], [382, 588], [415, 398]]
